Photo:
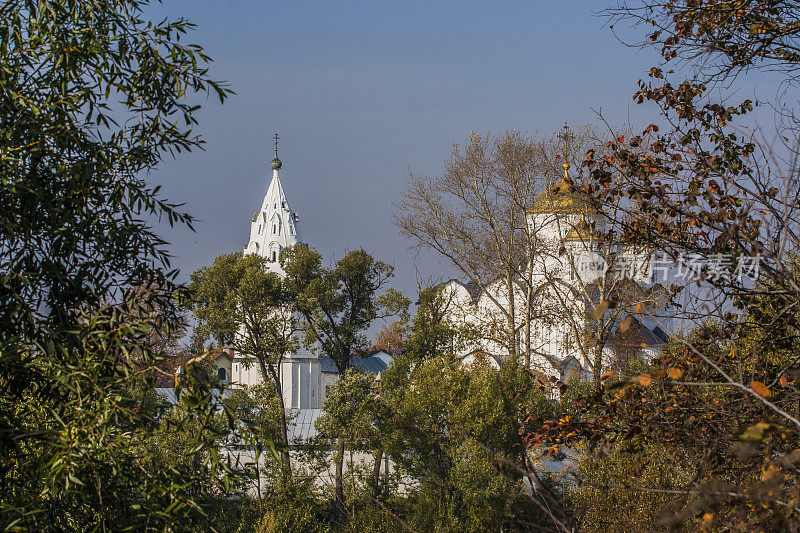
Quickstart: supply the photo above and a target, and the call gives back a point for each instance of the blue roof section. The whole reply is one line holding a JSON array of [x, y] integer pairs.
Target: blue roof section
[[374, 362], [301, 424], [326, 364]]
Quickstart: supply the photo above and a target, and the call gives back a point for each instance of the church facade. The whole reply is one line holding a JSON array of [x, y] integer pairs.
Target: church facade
[[570, 271]]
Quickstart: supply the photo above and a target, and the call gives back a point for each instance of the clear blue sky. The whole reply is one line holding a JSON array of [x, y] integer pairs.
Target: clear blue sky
[[363, 92]]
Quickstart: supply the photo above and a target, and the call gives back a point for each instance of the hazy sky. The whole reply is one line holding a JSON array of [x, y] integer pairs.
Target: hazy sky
[[362, 92]]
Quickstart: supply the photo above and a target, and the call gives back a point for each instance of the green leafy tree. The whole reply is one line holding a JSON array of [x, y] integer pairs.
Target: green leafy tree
[[242, 305], [456, 432], [257, 412], [431, 333], [350, 412], [338, 305], [93, 96]]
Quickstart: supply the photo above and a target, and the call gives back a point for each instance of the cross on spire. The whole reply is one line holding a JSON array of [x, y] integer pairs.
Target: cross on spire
[[566, 136], [276, 163]]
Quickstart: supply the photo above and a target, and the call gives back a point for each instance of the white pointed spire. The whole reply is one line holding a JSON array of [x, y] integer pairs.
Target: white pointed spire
[[274, 227]]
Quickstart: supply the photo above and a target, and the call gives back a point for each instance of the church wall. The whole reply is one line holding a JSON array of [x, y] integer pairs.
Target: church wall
[[326, 380], [243, 376], [300, 378], [226, 364]]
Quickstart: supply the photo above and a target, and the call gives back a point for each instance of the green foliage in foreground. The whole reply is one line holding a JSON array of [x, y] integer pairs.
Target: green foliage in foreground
[[93, 95], [451, 433]]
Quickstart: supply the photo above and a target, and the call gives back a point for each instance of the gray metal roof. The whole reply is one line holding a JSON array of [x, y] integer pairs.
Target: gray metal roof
[[301, 424], [168, 393], [636, 336]]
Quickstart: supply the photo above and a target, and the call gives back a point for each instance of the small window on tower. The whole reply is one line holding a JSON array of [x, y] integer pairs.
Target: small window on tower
[[274, 229], [274, 256], [259, 228]]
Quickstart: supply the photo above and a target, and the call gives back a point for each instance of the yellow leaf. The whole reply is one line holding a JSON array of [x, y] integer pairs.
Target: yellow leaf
[[676, 373], [754, 433], [625, 325], [644, 380], [600, 309], [760, 389], [638, 308]]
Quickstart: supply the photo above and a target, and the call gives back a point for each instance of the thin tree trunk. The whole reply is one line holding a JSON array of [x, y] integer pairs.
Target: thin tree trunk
[[286, 464], [598, 365], [512, 326], [341, 511], [528, 318], [376, 472]]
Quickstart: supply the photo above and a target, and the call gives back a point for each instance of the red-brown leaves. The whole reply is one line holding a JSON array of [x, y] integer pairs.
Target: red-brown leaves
[[760, 389]]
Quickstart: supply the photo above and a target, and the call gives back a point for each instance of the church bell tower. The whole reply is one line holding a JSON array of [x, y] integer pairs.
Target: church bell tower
[[275, 226]]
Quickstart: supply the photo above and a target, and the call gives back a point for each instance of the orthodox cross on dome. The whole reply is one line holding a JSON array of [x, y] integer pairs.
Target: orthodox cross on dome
[[276, 163], [567, 136]]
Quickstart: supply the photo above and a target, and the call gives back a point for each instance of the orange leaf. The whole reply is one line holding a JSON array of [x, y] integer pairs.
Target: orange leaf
[[638, 308], [760, 389], [607, 375], [783, 381], [625, 325], [676, 373], [600, 309], [644, 380]]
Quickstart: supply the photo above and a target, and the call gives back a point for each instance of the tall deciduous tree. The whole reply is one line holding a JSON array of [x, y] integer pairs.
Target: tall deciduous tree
[[338, 305], [492, 215], [242, 305], [474, 215]]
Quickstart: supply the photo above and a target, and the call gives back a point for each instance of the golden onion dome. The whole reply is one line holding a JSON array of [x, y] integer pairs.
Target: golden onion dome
[[561, 198]]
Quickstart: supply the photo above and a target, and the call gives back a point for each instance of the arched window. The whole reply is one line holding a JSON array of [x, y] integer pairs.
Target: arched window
[[221, 374]]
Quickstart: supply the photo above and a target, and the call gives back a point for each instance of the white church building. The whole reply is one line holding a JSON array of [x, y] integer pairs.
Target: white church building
[[559, 287]]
